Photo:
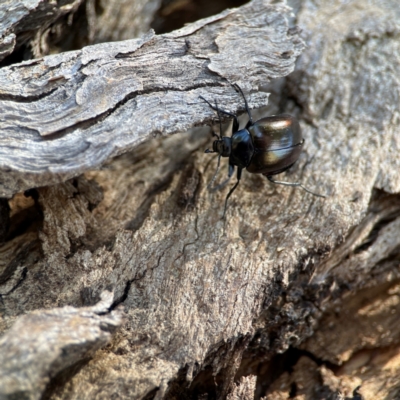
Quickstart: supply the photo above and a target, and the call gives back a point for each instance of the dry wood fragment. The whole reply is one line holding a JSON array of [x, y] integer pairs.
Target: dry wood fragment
[[244, 389], [121, 19], [70, 112], [45, 342], [211, 303]]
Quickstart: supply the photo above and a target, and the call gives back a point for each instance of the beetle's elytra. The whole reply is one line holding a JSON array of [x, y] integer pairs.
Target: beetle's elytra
[[268, 146]]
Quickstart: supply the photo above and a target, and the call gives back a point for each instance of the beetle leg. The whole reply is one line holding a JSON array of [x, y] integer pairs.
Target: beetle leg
[[298, 184], [223, 184], [230, 171], [235, 126], [239, 175], [215, 174]]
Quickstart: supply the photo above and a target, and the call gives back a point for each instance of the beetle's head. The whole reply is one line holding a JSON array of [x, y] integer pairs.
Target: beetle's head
[[222, 146]]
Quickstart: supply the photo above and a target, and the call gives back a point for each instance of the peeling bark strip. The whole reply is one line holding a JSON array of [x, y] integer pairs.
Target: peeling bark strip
[[67, 113], [45, 342]]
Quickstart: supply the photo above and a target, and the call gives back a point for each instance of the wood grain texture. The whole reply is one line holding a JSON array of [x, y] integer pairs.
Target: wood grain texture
[[45, 342], [67, 113], [22, 20], [121, 19], [211, 303]]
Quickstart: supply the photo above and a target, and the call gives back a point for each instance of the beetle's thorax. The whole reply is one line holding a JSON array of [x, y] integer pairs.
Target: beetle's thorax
[[223, 146]]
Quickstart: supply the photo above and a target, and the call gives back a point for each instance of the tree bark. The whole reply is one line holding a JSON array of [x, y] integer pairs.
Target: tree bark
[[71, 112], [289, 296]]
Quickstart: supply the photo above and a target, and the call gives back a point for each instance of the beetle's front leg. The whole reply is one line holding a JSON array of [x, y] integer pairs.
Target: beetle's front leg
[[239, 175], [223, 184]]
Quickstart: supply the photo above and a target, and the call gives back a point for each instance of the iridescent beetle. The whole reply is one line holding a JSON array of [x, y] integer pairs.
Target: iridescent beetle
[[268, 146]]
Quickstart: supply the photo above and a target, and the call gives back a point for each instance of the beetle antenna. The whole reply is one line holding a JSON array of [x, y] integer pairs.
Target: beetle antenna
[[235, 126], [201, 97], [238, 88], [220, 119], [297, 184]]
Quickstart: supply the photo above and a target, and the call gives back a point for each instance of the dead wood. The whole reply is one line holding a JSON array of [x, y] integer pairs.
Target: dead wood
[[120, 19], [297, 291], [36, 28], [23, 21], [67, 113], [41, 344]]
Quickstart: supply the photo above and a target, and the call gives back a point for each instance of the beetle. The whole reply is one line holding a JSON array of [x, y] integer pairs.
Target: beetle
[[268, 146]]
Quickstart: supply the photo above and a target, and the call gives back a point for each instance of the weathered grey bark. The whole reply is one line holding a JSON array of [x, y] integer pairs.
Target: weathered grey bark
[[39, 24], [67, 113], [208, 300], [121, 19], [43, 343], [349, 90]]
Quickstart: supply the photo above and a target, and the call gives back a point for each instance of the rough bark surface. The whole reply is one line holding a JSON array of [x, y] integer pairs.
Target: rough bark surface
[[43, 343], [67, 113], [25, 20], [121, 19], [291, 296]]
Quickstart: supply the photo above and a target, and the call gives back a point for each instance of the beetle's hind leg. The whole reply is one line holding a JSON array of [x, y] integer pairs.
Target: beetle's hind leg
[[296, 184]]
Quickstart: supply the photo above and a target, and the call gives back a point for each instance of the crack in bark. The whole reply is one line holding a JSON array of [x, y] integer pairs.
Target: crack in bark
[[19, 282], [89, 122], [123, 297]]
